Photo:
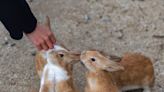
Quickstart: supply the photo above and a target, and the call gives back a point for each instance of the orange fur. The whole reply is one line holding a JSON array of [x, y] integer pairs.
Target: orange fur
[[65, 86], [102, 82], [40, 62], [138, 71], [47, 86], [98, 79]]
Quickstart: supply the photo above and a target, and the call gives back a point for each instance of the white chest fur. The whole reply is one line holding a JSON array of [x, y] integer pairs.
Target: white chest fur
[[54, 73]]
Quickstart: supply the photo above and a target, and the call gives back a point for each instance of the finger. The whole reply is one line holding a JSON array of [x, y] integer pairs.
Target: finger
[[44, 45], [37, 44], [39, 47], [51, 37], [49, 43]]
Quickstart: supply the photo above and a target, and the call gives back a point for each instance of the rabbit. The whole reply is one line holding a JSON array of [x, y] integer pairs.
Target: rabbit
[[57, 72], [138, 72], [98, 78]]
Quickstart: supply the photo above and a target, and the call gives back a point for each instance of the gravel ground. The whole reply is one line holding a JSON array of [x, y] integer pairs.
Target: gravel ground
[[112, 26]]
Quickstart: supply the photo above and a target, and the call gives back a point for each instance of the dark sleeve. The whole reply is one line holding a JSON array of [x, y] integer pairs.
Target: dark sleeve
[[17, 17]]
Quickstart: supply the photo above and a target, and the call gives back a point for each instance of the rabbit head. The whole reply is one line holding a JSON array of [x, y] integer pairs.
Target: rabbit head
[[94, 60]]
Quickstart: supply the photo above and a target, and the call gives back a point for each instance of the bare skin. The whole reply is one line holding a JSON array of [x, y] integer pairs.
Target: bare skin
[[42, 37]]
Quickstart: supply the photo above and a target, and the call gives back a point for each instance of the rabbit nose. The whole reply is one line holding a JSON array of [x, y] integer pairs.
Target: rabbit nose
[[82, 63]]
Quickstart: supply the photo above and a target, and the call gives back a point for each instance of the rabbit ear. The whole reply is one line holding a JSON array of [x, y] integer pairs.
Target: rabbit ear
[[115, 58], [75, 52], [47, 23], [113, 66], [58, 47]]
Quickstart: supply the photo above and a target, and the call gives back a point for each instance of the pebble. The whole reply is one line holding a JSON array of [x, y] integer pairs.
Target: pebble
[[12, 45], [33, 53], [6, 39], [5, 43], [106, 19], [87, 18], [118, 34], [158, 36]]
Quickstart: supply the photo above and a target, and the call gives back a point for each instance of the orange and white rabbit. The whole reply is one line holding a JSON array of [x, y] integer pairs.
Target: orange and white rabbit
[[57, 72], [138, 72], [98, 79]]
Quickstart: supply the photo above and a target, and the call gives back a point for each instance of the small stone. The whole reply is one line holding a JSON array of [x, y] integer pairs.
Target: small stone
[[106, 19], [6, 39], [87, 18], [12, 45], [158, 36], [5, 43], [33, 53], [146, 30], [12, 82], [119, 34], [100, 16]]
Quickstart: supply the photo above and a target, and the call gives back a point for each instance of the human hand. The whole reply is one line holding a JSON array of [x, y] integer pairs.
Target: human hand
[[42, 37]]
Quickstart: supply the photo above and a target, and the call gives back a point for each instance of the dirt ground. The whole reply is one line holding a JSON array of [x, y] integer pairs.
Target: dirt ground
[[112, 26]]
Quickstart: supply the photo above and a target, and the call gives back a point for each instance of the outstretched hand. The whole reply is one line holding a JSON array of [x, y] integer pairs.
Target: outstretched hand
[[42, 37]]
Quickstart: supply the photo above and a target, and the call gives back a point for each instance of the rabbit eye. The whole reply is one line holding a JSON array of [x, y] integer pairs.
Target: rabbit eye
[[61, 55], [93, 59]]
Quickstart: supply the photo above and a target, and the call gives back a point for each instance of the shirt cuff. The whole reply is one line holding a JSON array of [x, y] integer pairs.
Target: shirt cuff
[[31, 26]]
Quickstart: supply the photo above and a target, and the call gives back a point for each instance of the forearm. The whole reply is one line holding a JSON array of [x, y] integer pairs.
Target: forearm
[[17, 17]]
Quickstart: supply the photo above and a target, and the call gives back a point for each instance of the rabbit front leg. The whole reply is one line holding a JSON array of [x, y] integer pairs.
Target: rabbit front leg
[[48, 87]]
